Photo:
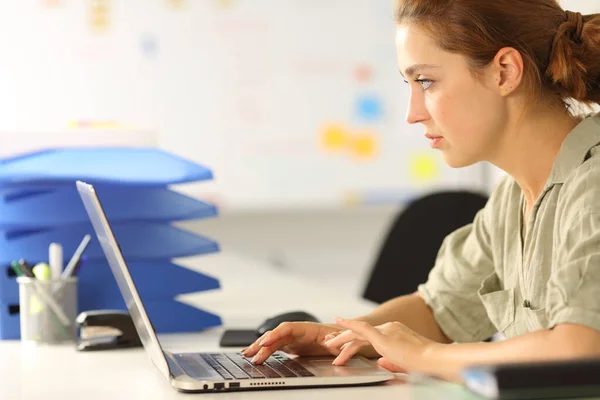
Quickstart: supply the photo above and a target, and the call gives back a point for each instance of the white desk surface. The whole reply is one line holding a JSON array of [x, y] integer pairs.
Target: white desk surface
[[49, 372]]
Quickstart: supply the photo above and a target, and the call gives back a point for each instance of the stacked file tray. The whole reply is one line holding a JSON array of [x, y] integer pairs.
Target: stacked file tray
[[39, 205]]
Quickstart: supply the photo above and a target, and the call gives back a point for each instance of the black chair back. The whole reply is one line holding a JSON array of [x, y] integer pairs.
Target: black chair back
[[411, 246]]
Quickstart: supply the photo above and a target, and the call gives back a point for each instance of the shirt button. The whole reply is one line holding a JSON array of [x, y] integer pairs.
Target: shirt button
[[526, 304]]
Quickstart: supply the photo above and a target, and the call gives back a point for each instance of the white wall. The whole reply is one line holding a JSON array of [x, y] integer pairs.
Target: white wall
[[335, 246]]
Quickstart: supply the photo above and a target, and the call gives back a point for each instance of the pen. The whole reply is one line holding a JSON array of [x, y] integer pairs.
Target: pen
[[78, 265], [25, 268], [72, 266]]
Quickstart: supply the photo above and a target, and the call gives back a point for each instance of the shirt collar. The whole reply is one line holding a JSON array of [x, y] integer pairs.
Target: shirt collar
[[574, 149]]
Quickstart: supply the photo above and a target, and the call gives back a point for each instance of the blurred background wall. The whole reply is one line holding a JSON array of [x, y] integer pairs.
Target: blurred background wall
[[296, 105]]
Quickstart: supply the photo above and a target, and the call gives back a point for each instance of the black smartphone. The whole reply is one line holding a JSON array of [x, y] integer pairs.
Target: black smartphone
[[238, 337]]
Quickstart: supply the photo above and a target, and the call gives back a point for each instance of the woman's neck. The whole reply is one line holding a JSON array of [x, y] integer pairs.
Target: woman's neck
[[531, 147]]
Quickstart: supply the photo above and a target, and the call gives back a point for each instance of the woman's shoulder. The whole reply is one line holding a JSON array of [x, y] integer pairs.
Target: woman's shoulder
[[581, 188]]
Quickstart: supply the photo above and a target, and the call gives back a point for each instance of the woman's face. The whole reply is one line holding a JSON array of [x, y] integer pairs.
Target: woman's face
[[464, 116]]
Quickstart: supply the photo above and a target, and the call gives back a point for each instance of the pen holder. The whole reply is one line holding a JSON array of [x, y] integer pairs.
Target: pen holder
[[48, 310]]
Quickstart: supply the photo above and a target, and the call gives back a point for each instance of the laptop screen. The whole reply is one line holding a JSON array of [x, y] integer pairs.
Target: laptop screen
[[121, 272]]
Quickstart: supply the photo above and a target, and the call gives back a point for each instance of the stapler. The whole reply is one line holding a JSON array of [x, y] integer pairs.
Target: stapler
[[106, 329]]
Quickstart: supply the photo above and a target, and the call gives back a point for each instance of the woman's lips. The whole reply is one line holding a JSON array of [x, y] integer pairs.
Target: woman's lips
[[434, 140]]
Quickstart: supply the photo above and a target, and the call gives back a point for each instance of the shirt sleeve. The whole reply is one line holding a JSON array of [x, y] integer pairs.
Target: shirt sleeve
[[574, 287], [464, 260]]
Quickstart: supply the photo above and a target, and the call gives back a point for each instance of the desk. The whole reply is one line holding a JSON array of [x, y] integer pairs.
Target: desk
[[59, 372]]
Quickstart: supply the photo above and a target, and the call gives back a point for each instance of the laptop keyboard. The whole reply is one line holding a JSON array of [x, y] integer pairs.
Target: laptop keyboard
[[236, 366]]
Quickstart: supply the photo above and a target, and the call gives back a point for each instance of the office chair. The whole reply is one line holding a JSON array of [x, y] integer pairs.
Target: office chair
[[411, 246]]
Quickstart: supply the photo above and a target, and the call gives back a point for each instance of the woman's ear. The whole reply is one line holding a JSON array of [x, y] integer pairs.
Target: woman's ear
[[507, 68]]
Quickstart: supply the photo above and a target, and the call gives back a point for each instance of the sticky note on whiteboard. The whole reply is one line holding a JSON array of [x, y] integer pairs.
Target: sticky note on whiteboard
[[99, 15], [365, 145], [424, 167], [335, 137]]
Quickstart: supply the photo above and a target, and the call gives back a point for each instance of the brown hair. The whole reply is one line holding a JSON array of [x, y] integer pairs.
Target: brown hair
[[560, 49]]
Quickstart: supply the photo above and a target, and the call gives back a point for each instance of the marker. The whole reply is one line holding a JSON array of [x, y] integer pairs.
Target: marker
[[25, 268], [15, 266], [42, 272], [55, 258]]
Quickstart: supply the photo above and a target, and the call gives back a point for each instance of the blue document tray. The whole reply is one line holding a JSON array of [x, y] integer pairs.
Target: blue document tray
[[154, 280], [10, 324], [32, 209], [116, 165], [174, 317], [139, 240], [171, 316]]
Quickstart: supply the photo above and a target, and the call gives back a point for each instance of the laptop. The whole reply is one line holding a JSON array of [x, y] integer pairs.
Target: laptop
[[209, 372]]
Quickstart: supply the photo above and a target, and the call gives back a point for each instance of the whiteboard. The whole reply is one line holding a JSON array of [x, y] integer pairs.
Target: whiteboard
[[291, 103]]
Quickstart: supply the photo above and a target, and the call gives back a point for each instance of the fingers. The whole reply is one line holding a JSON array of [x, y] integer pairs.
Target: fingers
[[273, 340], [254, 347], [364, 329], [349, 350], [342, 338], [384, 363], [265, 352]]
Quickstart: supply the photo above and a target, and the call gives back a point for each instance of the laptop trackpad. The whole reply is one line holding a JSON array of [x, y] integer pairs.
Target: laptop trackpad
[[353, 363]]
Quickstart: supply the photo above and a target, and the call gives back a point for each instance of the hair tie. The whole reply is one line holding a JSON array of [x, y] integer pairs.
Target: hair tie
[[577, 19]]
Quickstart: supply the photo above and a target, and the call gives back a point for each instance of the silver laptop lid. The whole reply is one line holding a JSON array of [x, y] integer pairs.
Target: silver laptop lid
[[122, 275]]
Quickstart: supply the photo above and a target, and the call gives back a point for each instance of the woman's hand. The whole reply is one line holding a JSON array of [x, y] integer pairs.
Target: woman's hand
[[301, 338], [402, 348]]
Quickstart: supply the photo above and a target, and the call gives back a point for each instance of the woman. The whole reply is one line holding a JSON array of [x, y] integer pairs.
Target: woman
[[491, 81]]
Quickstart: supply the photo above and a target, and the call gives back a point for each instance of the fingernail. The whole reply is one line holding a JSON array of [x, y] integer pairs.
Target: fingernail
[[254, 359], [262, 342], [334, 362]]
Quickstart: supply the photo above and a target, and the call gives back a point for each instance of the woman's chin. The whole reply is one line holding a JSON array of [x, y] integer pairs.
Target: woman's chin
[[457, 161]]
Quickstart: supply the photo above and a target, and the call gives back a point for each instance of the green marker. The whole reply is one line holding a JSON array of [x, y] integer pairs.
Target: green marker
[[15, 266]]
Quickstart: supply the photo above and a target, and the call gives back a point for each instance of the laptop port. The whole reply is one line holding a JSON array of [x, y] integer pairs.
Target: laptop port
[[219, 386], [234, 385]]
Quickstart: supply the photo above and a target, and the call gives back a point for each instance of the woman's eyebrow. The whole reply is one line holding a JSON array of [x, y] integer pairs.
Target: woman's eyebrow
[[413, 69]]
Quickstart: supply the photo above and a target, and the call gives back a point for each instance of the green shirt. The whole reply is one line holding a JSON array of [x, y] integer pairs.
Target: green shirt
[[488, 278]]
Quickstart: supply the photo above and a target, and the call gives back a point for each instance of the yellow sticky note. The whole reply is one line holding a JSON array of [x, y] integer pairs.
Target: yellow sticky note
[[99, 14], [351, 199], [365, 145], [424, 167], [176, 3], [225, 3], [334, 137]]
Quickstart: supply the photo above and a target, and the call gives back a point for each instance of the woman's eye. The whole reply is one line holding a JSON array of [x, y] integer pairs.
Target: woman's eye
[[426, 83]]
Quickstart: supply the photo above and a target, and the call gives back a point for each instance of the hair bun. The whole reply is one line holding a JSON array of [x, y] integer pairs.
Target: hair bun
[[573, 66]]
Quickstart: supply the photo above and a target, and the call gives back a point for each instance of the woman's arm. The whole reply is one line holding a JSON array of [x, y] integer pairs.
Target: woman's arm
[[410, 351], [563, 342], [412, 311]]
